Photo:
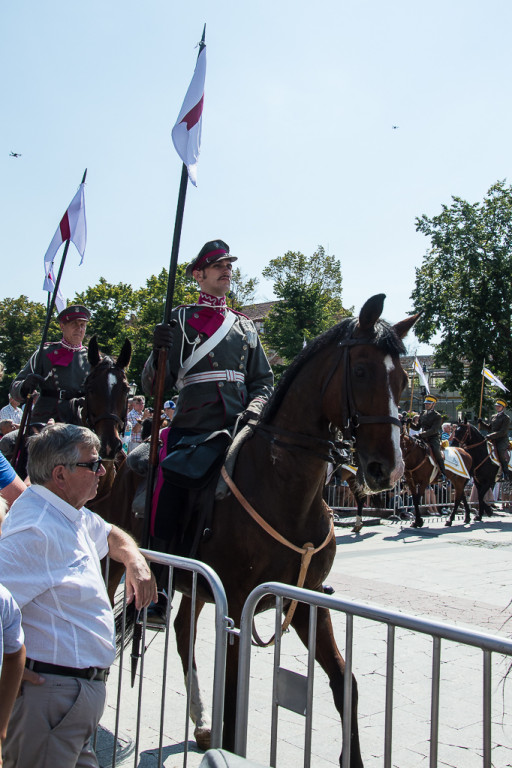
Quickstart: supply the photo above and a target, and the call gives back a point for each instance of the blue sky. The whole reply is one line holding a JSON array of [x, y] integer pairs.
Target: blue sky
[[298, 146]]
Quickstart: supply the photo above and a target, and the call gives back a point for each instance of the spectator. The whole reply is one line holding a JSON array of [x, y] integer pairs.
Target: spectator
[[12, 411], [11, 486], [7, 426], [50, 555], [12, 650], [135, 417]]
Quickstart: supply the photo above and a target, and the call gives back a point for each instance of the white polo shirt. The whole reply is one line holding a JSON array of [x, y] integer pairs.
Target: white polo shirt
[[50, 562]]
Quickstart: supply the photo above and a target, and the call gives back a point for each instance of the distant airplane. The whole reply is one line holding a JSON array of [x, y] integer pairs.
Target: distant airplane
[[15, 154], [394, 127]]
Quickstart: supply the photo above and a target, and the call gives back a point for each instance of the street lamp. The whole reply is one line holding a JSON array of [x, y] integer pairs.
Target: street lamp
[[132, 388]]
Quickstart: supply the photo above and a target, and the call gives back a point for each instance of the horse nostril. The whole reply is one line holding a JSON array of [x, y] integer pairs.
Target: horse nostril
[[375, 469]]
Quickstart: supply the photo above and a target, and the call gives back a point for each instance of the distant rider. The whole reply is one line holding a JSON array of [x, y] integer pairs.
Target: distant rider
[[498, 435], [431, 423]]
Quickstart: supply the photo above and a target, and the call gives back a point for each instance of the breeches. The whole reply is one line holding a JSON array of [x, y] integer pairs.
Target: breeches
[[52, 724]]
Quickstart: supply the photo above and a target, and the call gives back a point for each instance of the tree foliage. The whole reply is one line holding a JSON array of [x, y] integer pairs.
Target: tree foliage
[[310, 291], [464, 290], [21, 324]]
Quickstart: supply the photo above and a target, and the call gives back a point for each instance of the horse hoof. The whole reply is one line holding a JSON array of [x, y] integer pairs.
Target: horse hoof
[[357, 528], [202, 736], [448, 524], [478, 519], [417, 524]]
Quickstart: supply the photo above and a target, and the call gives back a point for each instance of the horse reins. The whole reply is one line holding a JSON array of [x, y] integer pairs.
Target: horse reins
[[306, 551], [464, 444]]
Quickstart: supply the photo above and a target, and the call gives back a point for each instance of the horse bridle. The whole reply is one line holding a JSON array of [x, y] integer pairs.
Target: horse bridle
[[350, 416], [91, 421]]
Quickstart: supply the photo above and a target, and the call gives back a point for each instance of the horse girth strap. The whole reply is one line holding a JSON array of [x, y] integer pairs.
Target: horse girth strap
[[306, 552]]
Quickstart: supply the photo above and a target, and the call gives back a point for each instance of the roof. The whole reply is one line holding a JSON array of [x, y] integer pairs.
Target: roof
[[258, 311]]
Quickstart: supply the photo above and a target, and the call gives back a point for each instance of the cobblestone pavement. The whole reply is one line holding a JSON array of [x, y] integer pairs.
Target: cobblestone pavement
[[460, 575]]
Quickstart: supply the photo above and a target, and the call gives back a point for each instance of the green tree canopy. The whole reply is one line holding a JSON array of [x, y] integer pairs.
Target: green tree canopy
[[464, 290], [309, 288], [21, 328]]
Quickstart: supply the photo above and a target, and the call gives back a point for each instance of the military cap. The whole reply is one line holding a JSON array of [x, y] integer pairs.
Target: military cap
[[74, 312], [430, 399], [212, 251], [500, 401]]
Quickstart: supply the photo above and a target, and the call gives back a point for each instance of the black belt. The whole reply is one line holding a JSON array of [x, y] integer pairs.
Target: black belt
[[60, 394], [90, 673]]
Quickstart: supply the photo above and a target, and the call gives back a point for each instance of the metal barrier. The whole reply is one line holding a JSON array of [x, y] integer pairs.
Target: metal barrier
[[301, 700], [142, 703], [397, 502]]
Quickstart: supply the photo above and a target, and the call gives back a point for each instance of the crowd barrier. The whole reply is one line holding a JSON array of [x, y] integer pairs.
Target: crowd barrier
[[145, 706], [294, 691], [397, 502], [120, 732]]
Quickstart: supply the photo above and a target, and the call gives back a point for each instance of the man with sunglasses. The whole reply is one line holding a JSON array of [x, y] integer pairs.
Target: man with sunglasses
[[50, 554]]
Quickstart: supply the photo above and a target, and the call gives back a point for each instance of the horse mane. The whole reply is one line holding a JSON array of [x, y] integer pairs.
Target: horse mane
[[384, 338]]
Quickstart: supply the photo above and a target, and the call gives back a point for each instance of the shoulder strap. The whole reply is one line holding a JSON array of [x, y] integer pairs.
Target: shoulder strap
[[203, 349]]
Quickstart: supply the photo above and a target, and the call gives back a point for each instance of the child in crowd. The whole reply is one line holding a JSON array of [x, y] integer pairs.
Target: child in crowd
[[12, 650]]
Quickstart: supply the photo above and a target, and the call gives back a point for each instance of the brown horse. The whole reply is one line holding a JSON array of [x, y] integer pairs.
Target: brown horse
[[484, 470], [420, 472], [351, 378]]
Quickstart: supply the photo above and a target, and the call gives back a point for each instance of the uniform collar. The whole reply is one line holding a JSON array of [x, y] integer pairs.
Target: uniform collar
[[67, 345], [218, 302]]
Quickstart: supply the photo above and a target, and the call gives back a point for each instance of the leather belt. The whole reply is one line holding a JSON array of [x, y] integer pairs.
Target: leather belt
[[60, 394], [200, 378], [89, 673]]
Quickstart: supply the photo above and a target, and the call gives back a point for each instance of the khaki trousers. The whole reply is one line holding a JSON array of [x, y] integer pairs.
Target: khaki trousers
[[52, 724]]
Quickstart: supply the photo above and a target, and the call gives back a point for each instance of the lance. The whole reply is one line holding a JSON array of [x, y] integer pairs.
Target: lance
[[482, 391], [51, 304], [413, 376], [160, 385]]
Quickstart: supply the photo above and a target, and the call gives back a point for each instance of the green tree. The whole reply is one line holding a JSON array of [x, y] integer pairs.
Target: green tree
[[112, 307], [310, 292], [243, 289], [464, 290], [21, 324]]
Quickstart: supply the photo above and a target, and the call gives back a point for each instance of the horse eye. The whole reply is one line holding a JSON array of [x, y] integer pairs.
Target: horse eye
[[359, 372]]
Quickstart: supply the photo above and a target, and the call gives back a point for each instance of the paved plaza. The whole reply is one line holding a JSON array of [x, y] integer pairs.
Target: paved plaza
[[460, 575]]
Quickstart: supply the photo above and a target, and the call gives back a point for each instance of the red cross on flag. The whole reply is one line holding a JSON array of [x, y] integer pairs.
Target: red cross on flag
[[186, 134]]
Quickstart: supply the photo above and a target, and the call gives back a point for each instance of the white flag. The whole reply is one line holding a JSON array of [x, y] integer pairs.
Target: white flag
[[419, 370], [72, 227], [186, 134], [492, 379]]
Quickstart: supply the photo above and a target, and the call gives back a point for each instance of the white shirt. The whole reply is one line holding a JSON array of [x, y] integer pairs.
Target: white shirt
[[50, 561], [11, 633], [10, 413]]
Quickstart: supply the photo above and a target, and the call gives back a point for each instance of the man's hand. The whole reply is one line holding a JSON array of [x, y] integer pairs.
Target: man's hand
[[163, 336], [31, 383], [140, 583]]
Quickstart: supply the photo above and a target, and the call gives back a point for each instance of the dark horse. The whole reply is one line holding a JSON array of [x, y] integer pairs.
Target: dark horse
[[484, 470], [419, 473], [351, 378]]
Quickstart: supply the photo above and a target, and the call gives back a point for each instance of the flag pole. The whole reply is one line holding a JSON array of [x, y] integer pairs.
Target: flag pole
[[25, 422], [412, 387], [482, 391], [162, 352]]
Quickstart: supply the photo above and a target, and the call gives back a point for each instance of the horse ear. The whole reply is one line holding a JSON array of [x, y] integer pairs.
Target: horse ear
[[125, 354], [93, 353], [371, 311], [404, 326]]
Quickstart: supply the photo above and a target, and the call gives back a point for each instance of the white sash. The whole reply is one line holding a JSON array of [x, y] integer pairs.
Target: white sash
[[203, 349]]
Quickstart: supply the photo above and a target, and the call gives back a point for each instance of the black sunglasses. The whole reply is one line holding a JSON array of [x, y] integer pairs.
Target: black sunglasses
[[92, 465]]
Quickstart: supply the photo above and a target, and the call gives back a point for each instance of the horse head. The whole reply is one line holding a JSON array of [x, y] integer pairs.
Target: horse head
[[106, 397], [363, 393]]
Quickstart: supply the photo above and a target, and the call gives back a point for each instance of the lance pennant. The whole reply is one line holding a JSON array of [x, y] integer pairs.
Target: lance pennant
[[193, 117]]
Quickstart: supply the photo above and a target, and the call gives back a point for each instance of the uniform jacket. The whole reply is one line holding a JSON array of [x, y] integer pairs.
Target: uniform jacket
[[499, 427], [211, 405], [65, 371], [431, 424]]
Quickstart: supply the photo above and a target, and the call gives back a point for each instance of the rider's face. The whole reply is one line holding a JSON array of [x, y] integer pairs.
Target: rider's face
[[216, 278], [74, 331]]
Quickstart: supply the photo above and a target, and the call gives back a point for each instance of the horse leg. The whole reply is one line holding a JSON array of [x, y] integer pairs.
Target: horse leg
[[418, 520], [482, 504], [332, 662], [359, 516], [198, 711], [467, 508]]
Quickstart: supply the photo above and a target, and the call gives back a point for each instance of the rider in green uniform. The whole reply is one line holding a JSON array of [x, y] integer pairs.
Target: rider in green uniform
[[431, 426], [499, 427]]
